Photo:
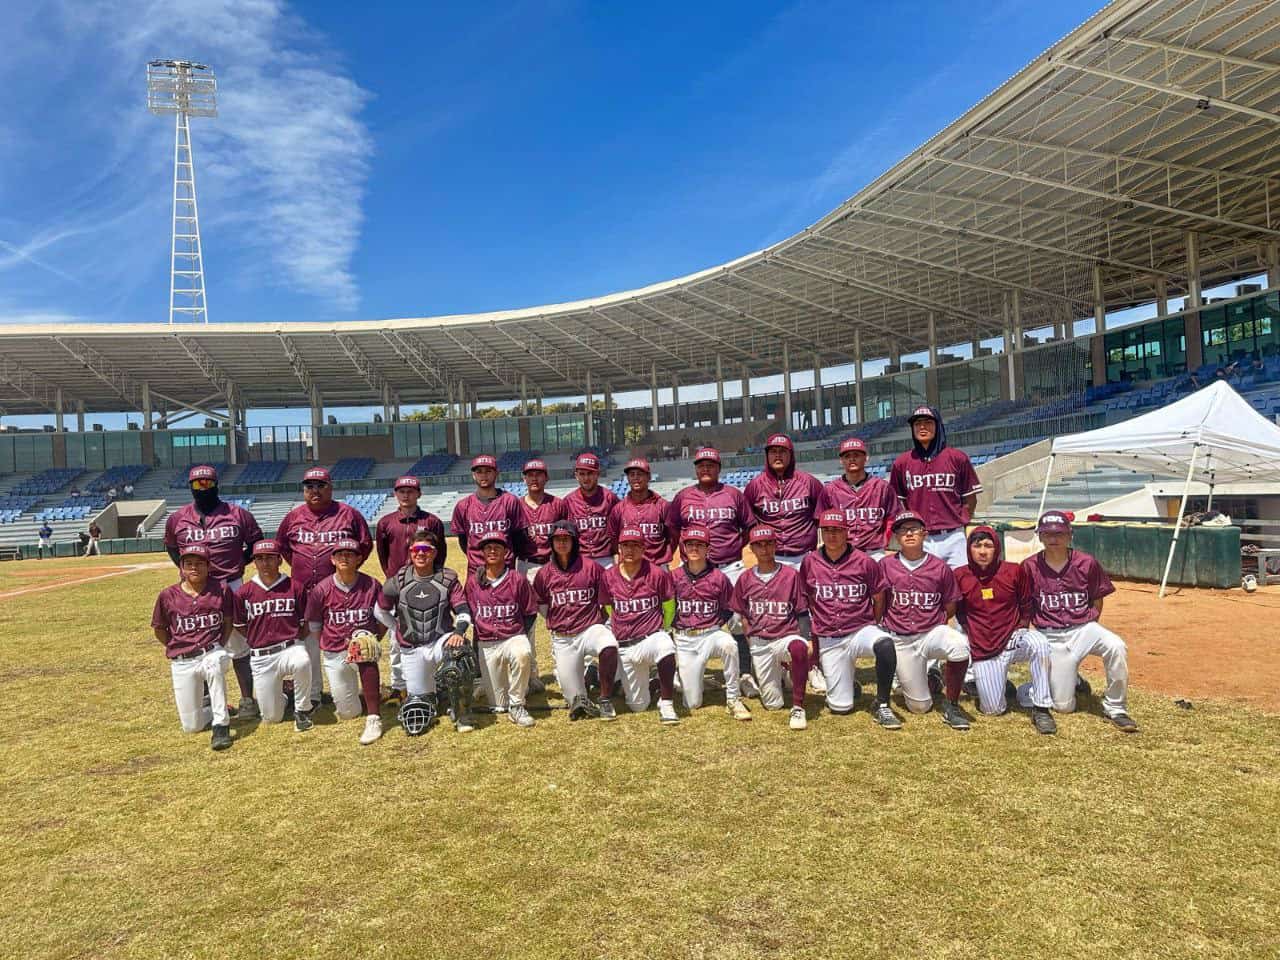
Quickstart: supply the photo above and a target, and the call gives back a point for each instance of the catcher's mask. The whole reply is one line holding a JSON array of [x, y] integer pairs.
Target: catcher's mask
[[417, 715]]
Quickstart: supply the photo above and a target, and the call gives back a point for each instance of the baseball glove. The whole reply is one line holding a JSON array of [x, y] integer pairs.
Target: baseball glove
[[363, 648]]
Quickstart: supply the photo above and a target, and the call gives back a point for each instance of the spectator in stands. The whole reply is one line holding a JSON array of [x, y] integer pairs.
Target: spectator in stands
[[75, 491], [128, 491], [112, 494], [1255, 362], [91, 548], [46, 539]]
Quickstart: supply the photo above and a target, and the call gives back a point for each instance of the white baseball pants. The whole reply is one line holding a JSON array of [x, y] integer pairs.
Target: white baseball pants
[[189, 680], [344, 684], [839, 659], [878, 555], [505, 666], [531, 571], [420, 665], [793, 562], [733, 570], [1067, 648], [269, 674], [237, 643], [312, 645], [768, 658], [635, 662], [570, 653], [951, 547], [916, 651], [693, 650], [991, 675]]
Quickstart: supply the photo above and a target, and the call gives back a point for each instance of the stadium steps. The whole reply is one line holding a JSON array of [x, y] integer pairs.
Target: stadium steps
[[1078, 492]]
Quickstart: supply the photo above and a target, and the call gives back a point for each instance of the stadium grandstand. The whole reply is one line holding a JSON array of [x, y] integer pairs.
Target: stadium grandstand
[[1131, 165]]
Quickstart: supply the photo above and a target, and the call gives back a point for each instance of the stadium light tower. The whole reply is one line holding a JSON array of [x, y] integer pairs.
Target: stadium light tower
[[186, 90]]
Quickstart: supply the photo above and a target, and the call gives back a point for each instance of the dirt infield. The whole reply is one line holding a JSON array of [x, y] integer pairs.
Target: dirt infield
[[36, 580]]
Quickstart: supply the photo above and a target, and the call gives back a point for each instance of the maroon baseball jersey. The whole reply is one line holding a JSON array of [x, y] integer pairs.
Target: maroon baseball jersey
[[771, 608], [868, 508], [498, 609], [789, 505], [341, 611], [476, 517], [703, 600], [227, 530], [591, 514], [935, 488], [637, 603], [992, 605], [573, 597], [306, 538], [1064, 599], [722, 509], [194, 622], [649, 516], [396, 531], [839, 592], [268, 615], [917, 598], [538, 522]]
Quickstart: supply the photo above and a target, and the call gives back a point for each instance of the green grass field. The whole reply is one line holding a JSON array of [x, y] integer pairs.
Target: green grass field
[[122, 837]]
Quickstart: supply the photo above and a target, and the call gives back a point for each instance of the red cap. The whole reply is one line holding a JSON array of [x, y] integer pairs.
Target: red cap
[[921, 412], [587, 461], [833, 518], [194, 550], [779, 440], [637, 463], [1054, 521], [410, 482], [905, 516], [202, 472], [706, 453], [695, 535], [631, 535], [484, 460], [762, 534], [852, 444], [346, 543], [494, 536], [265, 548], [534, 465], [316, 473]]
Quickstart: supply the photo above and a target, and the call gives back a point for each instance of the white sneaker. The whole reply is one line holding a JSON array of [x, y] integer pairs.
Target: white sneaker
[[607, 710], [817, 682], [748, 686], [372, 729], [463, 724], [738, 710], [520, 716], [667, 712], [798, 720], [248, 709]]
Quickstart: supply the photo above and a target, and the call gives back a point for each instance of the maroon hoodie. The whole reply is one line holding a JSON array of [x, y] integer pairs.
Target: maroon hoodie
[[996, 599], [788, 503]]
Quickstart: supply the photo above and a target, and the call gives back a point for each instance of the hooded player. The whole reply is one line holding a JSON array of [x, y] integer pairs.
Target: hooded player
[[938, 484]]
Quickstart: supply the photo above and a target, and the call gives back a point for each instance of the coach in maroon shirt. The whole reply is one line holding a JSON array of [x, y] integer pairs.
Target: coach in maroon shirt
[[868, 502], [395, 531], [490, 509], [644, 510], [307, 533], [939, 484], [589, 506], [786, 499]]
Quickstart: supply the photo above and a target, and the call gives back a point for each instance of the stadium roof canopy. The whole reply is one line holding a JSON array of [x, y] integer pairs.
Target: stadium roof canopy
[[1154, 118]]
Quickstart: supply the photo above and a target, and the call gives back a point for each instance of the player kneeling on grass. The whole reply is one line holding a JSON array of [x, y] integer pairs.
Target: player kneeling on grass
[[771, 603], [641, 607], [425, 607], [502, 605], [1067, 589], [922, 598], [992, 611], [845, 594], [703, 595], [270, 612], [340, 610], [192, 619], [570, 593]]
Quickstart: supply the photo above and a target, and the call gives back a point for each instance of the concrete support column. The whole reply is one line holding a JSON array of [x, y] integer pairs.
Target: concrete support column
[[653, 397], [80, 416], [857, 376], [607, 436], [1015, 355], [233, 421], [587, 403], [975, 348], [448, 400], [719, 391], [933, 340], [1099, 304], [1195, 345], [59, 424], [1162, 296], [386, 403], [786, 388], [396, 408], [524, 395], [819, 408], [676, 423], [1271, 257], [746, 394], [145, 389], [317, 420]]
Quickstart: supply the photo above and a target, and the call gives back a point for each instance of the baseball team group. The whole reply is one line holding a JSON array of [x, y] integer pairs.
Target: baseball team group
[[940, 616]]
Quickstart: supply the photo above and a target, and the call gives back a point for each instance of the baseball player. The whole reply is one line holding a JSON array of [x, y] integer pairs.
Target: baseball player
[[192, 618], [1067, 589], [845, 594], [306, 538], [270, 611], [589, 506], [938, 484], [337, 607], [771, 602], [503, 611], [425, 606], [995, 596], [570, 592], [645, 511], [392, 537], [703, 596], [229, 531], [868, 502], [922, 598], [542, 511], [488, 509], [46, 539], [641, 607]]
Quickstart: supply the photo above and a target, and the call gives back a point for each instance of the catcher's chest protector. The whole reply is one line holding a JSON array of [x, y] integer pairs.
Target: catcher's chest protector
[[423, 606]]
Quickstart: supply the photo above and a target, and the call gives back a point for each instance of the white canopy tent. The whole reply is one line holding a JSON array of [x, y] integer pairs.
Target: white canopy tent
[[1213, 436]]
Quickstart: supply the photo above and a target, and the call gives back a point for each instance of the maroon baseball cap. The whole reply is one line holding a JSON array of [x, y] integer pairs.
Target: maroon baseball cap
[[921, 413], [484, 460], [906, 516], [587, 461], [202, 472], [779, 440], [410, 482], [762, 534], [706, 453], [346, 543], [637, 463], [494, 536], [532, 466], [316, 475], [833, 518], [1054, 521], [264, 548], [194, 550], [695, 535], [852, 445], [631, 535]]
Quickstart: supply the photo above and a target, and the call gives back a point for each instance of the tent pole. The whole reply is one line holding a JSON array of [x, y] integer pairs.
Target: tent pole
[[1208, 466], [1177, 528], [1044, 494]]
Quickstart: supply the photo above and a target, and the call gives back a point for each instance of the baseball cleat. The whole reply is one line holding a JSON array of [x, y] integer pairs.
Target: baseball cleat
[[737, 709], [326, 699], [667, 712], [935, 681], [747, 684], [886, 717], [248, 709], [302, 721], [953, 716], [372, 729], [520, 716], [1010, 692], [1043, 720], [798, 720], [970, 688], [1083, 689], [221, 737], [1124, 722], [582, 708], [857, 691], [817, 682], [606, 710], [536, 685], [462, 723], [592, 677]]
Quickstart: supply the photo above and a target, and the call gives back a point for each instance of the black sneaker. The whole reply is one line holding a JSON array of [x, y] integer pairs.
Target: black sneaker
[[1010, 693], [935, 681], [970, 688], [326, 699], [302, 721], [1043, 720], [1124, 722], [953, 716], [886, 717], [221, 737], [1082, 687], [857, 691]]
